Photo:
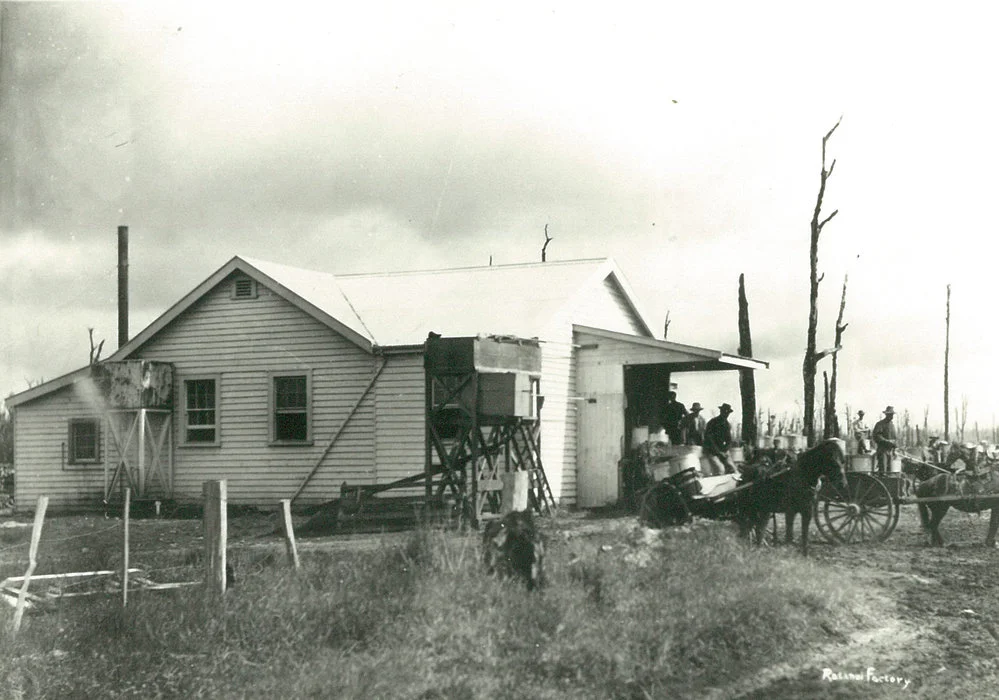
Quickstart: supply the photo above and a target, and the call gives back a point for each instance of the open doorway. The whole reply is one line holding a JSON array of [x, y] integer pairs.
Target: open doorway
[[645, 388]]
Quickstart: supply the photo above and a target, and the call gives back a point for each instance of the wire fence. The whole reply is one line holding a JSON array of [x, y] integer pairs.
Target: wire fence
[[57, 558]]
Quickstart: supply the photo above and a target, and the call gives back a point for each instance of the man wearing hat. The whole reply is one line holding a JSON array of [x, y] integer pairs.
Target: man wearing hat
[[718, 438], [885, 438], [862, 434], [692, 426], [673, 415]]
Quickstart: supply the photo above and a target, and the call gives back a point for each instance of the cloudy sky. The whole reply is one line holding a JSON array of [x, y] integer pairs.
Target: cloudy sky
[[682, 139]]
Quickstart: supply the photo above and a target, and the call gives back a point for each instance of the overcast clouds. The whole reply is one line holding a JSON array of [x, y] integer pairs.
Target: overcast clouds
[[681, 140]]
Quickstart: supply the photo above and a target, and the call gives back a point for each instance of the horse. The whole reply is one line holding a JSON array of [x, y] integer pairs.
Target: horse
[[791, 491], [981, 492]]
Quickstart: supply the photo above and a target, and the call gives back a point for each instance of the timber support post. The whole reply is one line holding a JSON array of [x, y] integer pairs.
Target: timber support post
[[36, 535], [216, 533], [288, 530]]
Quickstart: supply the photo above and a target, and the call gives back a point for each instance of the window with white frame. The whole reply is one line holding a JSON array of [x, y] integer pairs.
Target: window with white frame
[[84, 444], [291, 408], [201, 411]]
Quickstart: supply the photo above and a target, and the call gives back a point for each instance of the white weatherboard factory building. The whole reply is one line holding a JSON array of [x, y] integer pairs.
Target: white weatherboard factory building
[[285, 381]]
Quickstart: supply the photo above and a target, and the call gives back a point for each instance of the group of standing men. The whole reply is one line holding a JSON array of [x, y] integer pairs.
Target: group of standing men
[[689, 428], [884, 437]]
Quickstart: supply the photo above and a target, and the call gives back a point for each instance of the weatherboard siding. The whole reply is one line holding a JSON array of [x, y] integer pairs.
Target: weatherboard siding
[[605, 306], [242, 341], [399, 419], [557, 414], [41, 434]]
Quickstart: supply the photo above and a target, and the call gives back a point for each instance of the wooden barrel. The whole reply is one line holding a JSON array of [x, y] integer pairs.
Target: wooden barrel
[[639, 435], [683, 462], [895, 466], [662, 471], [861, 463], [687, 482]]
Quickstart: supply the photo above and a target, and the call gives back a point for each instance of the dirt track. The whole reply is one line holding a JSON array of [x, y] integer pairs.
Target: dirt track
[[936, 618]]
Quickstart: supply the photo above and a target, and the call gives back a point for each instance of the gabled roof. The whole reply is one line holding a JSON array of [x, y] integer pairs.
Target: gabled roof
[[523, 300], [401, 308]]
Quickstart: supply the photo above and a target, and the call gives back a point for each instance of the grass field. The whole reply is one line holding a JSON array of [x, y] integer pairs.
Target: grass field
[[627, 613]]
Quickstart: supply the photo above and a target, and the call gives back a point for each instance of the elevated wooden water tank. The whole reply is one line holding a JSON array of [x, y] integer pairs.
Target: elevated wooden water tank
[[483, 353], [508, 370], [135, 384]]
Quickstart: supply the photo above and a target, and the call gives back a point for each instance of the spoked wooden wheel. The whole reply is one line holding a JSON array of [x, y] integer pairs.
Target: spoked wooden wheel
[[864, 512], [663, 505]]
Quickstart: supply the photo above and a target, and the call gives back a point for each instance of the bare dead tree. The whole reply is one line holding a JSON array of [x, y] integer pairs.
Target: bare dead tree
[[825, 405], [544, 248], [947, 372], [964, 415], [832, 418], [808, 367], [747, 380], [95, 351], [666, 326]]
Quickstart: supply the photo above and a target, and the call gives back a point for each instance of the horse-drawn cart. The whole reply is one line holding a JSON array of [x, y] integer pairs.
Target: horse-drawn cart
[[864, 506], [777, 481], [870, 511]]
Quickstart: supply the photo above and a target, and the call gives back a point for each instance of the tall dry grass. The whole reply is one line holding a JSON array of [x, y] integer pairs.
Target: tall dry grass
[[664, 616]]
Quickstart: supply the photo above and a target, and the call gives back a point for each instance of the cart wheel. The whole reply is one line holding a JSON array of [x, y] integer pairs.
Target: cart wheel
[[865, 512], [663, 505]]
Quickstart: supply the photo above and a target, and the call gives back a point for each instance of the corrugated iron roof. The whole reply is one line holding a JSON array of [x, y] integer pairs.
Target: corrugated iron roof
[[320, 289], [401, 308], [522, 300]]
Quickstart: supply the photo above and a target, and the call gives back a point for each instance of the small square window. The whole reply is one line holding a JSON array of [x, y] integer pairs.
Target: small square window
[[84, 441]]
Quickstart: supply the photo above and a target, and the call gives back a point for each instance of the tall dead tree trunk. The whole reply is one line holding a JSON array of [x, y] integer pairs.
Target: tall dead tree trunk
[[747, 380], [811, 359], [825, 405], [832, 418], [946, 373]]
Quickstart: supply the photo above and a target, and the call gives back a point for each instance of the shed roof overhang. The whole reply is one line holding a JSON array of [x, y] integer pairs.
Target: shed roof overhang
[[676, 357]]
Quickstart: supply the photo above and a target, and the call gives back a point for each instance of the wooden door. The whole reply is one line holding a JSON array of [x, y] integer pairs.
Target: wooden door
[[600, 434]]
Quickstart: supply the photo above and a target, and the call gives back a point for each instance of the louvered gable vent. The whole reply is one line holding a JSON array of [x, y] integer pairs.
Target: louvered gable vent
[[244, 288]]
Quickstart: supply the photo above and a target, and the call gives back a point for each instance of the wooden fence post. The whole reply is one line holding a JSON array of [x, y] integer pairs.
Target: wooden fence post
[[289, 532], [514, 496], [216, 531], [124, 566], [36, 535]]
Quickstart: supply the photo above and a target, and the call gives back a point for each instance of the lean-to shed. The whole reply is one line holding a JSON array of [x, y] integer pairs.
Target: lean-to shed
[[286, 381]]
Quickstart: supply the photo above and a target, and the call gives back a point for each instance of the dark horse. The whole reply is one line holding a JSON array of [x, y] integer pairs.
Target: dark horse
[[974, 493], [791, 491]]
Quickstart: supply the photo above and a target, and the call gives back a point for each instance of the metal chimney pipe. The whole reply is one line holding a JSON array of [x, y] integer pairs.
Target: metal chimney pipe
[[122, 285]]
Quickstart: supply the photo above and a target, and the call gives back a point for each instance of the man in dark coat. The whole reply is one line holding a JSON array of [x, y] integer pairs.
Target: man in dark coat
[[885, 440], [718, 438], [673, 414], [692, 426]]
